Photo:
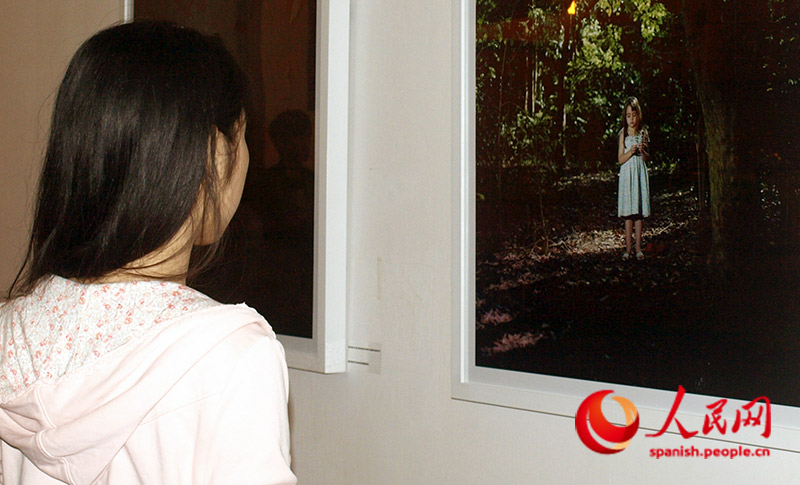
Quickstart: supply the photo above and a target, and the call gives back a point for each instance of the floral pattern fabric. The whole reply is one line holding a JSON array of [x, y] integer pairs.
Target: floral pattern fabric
[[64, 325]]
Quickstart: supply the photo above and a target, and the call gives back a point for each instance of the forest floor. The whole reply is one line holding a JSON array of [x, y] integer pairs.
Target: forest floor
[[555, 297]]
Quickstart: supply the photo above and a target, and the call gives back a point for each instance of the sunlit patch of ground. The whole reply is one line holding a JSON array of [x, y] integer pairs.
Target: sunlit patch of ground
[[526, 289], [583, 242], [585, 180], [493, 318], [513, 341]]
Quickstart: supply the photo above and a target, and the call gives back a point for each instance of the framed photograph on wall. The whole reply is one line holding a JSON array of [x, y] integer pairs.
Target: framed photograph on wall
[[551, 303], [285, 251]]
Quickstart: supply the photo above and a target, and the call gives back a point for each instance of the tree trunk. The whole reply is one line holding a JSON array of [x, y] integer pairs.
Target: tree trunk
[[721, 51], [561, 65], [561, 102]]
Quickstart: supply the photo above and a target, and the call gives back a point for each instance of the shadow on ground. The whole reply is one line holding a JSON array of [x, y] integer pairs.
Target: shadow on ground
[[568, 305]]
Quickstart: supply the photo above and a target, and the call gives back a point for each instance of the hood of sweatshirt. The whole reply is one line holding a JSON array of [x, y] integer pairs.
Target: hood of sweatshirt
[[81, 365]]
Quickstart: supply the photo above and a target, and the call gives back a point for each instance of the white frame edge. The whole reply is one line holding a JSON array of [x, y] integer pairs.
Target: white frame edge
[[326, 352], [127, 11], [534, 392]]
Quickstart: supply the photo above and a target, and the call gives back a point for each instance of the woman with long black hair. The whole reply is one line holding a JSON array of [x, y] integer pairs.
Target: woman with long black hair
[[112, 370]]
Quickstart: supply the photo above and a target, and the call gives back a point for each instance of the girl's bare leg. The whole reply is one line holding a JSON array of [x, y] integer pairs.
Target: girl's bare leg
[[628, 231], [638, 236]]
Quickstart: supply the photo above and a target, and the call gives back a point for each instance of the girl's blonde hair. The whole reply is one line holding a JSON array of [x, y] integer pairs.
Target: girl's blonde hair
[[633, 102]]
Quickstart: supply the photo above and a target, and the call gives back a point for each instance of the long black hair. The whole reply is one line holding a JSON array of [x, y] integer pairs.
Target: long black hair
[[131, 147]]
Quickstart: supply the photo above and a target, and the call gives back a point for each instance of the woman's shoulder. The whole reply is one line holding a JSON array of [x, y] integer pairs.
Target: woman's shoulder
[[72, 324]]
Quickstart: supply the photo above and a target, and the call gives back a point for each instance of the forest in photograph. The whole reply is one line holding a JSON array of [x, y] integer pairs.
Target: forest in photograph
[[714, 304]]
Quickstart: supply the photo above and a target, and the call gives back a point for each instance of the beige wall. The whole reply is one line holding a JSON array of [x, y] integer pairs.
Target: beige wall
[[37, 38], [399, 426]]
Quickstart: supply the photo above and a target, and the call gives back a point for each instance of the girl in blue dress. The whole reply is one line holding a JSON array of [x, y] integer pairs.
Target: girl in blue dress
[[634, 186]]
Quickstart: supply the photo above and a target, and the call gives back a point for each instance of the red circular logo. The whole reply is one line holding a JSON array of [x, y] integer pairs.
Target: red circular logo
[[590, 413]]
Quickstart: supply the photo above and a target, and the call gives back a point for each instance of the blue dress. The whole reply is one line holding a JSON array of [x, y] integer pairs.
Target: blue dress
[[634, 185]]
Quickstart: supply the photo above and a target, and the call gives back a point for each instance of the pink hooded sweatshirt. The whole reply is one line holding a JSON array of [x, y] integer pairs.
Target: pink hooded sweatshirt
[[139, 383]]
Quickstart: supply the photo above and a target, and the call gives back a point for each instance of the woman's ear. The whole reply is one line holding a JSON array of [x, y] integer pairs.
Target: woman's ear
[[224, 152], [221, 191], [204, 212]]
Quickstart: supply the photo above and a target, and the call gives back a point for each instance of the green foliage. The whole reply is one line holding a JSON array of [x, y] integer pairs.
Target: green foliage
[[552, 102], [550, 87], [529, 140]]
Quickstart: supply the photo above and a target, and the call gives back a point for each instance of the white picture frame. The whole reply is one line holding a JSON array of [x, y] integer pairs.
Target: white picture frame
[[535, 392], [326, 351]]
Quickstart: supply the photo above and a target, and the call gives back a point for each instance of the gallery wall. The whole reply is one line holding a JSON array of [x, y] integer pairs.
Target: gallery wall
[[396, 422], [400, 426], [37, 38]]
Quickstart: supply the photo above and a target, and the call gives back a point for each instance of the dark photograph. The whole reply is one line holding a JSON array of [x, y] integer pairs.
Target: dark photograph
[[267, 257], [638, 194]]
